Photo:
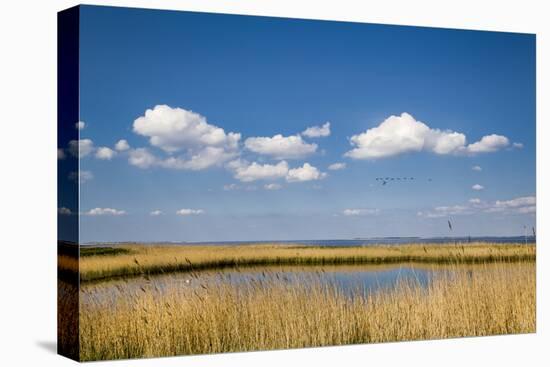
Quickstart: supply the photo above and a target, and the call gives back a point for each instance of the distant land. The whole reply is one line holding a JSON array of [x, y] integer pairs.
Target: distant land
[[342, 242]]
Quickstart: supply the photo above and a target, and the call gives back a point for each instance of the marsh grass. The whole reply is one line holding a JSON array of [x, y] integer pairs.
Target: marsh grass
[[275, 313], [135, 260]]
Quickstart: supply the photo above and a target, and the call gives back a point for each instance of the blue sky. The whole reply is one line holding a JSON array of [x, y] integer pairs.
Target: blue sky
[[224, 152]]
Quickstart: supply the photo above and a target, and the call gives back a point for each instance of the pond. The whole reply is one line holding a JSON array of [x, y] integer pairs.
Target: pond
[[346, 278]]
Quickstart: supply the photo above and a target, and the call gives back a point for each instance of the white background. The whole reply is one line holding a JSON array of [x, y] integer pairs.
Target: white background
[[28, 181]]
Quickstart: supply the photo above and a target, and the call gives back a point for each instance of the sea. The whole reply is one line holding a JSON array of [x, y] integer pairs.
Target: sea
[[347, 242]]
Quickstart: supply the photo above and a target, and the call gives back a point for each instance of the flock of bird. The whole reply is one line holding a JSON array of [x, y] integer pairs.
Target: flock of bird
[[385, 180]]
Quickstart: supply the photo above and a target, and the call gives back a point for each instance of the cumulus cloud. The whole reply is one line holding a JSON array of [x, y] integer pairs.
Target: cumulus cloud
[[477, 168], [81, 148], [337, 166], [478, 187], [359, 212], [272, 186], [246, 172], [281, 147], [305, 173], [204, 158], [122, 145], [475, 201], [64, 211], [142, 158], [105, 211], [404, 134], [517, 145], [207, 157], [155, 213], [488, 144], [60, 154], [105, 153], [81, 176], [174, 129], [317, 131], [80, 125], [186, 212]]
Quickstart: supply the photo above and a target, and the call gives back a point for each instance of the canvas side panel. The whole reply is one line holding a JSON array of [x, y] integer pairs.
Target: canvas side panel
[[67, 183]]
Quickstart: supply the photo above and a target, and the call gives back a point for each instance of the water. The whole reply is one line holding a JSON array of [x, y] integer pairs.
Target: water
[[349, 279], [356, 241]]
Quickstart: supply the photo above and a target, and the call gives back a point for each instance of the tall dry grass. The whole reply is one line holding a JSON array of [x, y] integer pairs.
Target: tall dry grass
[[274, 314], [146, 259]]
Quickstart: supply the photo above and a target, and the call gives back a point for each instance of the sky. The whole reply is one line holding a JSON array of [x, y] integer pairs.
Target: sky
[[208, 127]]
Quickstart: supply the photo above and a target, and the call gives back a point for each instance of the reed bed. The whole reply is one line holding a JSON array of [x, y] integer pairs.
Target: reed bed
[[146, 259], [275, 313]]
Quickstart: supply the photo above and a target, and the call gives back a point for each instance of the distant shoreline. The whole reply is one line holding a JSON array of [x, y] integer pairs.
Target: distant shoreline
[[338, 242]]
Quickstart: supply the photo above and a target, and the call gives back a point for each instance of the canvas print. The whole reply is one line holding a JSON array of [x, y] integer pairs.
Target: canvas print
[[237, 183]]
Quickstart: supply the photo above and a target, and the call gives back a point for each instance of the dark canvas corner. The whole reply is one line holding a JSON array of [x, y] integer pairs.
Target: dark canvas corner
[[67, 189]]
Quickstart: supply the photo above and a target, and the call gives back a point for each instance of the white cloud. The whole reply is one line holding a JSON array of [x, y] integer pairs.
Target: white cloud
[[404, 134], [251, 172], [155, 213], [186, 212], [81, 148], [142, 158], [317, 131], [81, 176], [445, 211], [60, 154], [305, 173], [230, 187], [520, 205], [80, 125], [488, 144], [281, 147], [234, 187], [122, 145], [517, 145], [527, 209], [516, 203], [174, 129], [64, 211], [478, 187], [105, 153], [248, 172], [360, 212], [207, 157], [337, 166], [477, 168], [272, 186], [105, 211], [204, 158]]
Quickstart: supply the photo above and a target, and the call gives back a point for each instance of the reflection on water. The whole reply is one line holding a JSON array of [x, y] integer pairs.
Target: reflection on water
[[346, 278]]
